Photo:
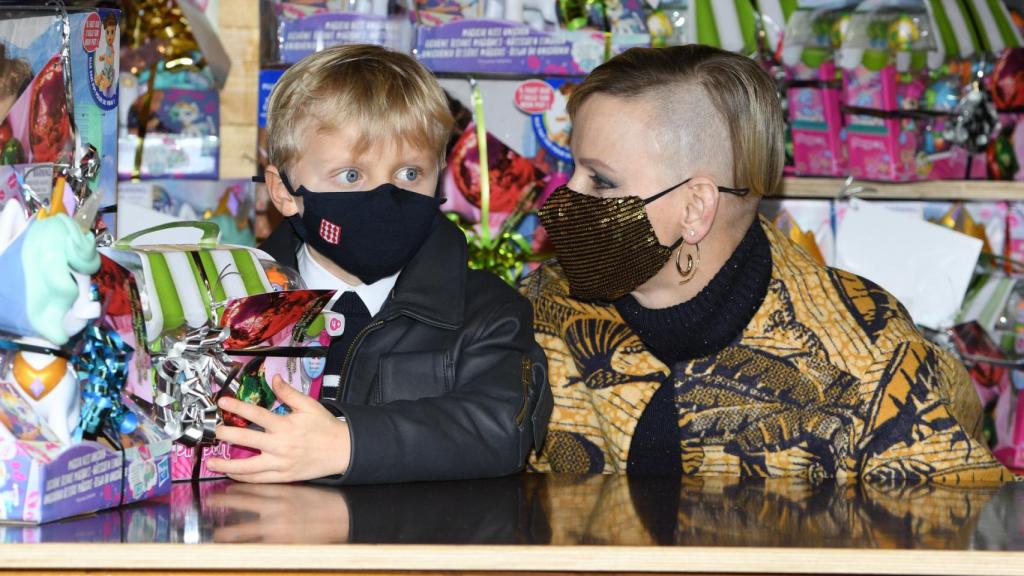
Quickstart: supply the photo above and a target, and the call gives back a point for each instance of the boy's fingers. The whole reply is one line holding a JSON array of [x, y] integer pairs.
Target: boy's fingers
[[256, 414], [243, 437], [244, 466], [265, 477], [291, 397]]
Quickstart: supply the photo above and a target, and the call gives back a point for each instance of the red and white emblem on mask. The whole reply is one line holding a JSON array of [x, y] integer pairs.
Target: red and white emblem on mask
[[330, 232]]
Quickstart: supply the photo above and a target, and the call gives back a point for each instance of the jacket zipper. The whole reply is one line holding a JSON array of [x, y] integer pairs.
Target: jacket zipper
[[351, 352]]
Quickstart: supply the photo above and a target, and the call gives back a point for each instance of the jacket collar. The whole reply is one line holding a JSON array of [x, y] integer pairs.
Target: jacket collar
[[431, 287]]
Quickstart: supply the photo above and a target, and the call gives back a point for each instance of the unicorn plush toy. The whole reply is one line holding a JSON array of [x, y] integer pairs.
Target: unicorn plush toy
[[47, 263]]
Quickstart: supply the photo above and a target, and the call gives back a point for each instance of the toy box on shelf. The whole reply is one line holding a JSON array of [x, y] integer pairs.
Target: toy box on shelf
[[506, 47], [181, 136], [228, 203], [295, 29], [204, 305], [884, 54], [1005, 155], [814, 87], [39, 123]]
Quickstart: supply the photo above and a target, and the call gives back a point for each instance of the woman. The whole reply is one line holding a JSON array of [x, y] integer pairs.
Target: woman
[[686, 335]]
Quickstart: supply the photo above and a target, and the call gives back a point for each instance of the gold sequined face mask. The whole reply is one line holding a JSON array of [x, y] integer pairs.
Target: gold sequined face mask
[[607, 246]]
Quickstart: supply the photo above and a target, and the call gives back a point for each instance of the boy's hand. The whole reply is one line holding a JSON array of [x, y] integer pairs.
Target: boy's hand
[[308, 443]]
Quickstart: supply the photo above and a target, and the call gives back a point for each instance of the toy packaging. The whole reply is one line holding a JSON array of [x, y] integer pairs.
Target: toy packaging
[[181, 136], [43, 479], [304, 27], [228, 203], [71, 442], [1005, 157], [883, 54], [814, 89], [142, 523], [506, 47], [39, 124]]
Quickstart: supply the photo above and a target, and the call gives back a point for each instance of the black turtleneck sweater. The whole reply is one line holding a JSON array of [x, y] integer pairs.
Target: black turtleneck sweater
[[699, 327]]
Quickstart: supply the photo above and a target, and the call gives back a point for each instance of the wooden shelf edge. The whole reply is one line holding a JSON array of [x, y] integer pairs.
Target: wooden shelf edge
[[967, 190], [510, 558]]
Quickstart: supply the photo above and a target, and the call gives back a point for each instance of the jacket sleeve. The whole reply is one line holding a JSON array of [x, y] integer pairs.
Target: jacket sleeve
[[924, 425], [483, 427]]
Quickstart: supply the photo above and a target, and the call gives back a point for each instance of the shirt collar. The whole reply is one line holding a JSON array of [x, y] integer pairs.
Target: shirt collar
[[317, 277]]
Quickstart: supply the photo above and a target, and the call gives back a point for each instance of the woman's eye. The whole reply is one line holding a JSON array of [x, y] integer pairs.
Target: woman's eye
[[600, 183], [409, 174], [349, 176]]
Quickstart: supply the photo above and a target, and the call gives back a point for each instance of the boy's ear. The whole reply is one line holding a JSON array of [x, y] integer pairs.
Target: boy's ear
[[701, 206], [279, 194]]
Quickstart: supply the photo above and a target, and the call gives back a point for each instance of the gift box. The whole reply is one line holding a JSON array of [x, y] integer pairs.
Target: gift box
[[207, 336], [141, 523], [231, 204], [1004, 158], [39, 123]]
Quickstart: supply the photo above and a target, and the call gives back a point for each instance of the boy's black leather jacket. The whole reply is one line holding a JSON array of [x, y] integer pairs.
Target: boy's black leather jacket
[[447, 380]]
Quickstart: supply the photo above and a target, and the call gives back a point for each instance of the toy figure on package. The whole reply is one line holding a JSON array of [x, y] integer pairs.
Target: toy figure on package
[[78, 445], [306, 26], [39, 120]]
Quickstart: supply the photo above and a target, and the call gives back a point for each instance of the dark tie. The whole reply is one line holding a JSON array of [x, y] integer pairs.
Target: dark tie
[[357, 317]]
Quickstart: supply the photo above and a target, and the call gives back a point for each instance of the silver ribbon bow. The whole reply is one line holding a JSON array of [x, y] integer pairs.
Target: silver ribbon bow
[[189, 375]]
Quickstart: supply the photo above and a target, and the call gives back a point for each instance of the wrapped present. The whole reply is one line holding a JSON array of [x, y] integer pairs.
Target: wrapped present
[[214, 337], [182, 285]]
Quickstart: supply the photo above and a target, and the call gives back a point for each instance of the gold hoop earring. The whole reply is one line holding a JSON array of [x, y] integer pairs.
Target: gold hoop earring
[[692, 262]]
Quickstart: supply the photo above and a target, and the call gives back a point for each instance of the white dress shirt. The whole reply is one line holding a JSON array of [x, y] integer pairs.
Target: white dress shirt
[[317, 277]]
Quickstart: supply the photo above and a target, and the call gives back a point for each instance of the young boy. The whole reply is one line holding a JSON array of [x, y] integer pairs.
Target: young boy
[[432, 371]]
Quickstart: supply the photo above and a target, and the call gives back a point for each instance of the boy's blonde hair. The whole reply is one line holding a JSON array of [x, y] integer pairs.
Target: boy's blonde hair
[[387, 95], [702, 91]]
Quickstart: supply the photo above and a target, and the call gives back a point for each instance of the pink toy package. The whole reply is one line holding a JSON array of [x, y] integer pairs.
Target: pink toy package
[[816, 121], [881, 144]]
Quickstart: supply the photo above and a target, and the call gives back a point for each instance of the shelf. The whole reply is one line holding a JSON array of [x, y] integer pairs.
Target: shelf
[[930, 190]]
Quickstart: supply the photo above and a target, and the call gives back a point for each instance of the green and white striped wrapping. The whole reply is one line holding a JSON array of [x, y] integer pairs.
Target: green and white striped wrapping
[[726, 24], [183, 283]]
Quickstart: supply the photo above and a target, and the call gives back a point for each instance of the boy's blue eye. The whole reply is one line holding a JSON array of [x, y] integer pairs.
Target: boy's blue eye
[[409, 174], [349, 176]]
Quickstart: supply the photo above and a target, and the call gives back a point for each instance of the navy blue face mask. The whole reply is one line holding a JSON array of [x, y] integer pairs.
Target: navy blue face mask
[[371, 235]]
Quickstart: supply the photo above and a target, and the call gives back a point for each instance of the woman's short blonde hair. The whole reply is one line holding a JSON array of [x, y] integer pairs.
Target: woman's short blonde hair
[[742, 93], [387, 95]]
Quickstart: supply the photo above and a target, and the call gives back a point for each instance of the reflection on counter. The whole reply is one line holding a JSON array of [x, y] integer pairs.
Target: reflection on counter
[[564, 510]]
